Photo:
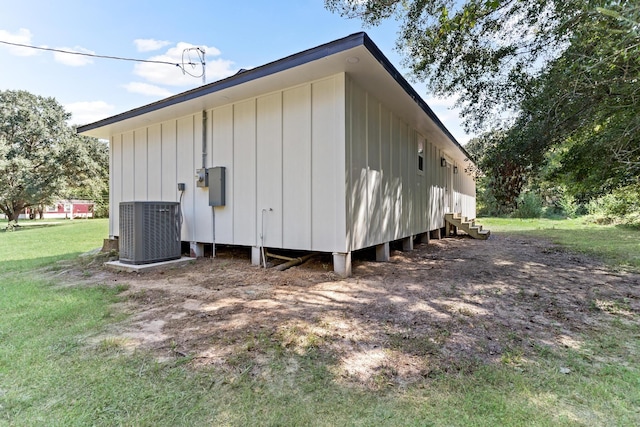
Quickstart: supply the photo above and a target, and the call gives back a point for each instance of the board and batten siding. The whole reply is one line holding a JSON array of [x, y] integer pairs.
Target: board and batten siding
[[285, 169], [388, 197], [466, 190], [386, 193], [322, 166]]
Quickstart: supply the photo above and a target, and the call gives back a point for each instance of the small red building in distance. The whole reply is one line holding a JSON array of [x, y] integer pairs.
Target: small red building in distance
[[67, 209]]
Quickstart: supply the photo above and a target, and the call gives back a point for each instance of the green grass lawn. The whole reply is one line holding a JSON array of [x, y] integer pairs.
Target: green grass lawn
[[39, 243], [51, 375], [616, 245]]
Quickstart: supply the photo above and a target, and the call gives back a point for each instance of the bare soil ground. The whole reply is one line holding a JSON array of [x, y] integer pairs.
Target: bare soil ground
[[449, 306]]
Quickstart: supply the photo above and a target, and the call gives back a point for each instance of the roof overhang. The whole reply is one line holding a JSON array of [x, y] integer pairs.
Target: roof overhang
[[355, 55]]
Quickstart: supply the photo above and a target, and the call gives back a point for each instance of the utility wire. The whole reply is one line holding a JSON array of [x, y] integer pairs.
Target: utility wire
[[181, 66]]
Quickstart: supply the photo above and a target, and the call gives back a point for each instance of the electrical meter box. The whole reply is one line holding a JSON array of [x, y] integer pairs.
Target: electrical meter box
[[202, 178], [216, 186]]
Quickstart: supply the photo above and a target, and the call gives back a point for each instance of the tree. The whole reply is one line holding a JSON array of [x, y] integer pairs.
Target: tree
[[484, 52], [585, 113], [40, 155], [91, 176], [504, 172], [566, 72]]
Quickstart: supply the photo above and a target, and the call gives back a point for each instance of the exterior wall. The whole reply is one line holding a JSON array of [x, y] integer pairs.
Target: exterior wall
[[78, 210], [450, 191], [437, 188], [283, 154], [388, 197], [322, 166], [465, 188], [143, 166]]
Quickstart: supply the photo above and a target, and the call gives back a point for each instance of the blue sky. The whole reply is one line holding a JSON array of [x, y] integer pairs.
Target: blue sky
[[240, 34]]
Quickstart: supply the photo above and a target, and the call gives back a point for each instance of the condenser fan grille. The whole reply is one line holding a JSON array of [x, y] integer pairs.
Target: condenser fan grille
[[149, 232]]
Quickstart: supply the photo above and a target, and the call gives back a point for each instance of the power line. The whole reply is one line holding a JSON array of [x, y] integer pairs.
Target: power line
[[181, 66]]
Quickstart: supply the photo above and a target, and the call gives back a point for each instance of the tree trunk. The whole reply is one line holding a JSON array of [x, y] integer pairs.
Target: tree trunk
[[13, 213], [13, 216]]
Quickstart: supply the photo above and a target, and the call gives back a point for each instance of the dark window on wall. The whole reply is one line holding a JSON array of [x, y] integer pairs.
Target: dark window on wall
[[420, 156]]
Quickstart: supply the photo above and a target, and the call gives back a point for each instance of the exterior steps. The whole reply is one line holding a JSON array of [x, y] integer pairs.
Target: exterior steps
[[455, 221]]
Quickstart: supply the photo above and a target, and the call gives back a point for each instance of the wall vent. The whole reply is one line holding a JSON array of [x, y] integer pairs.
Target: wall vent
[[149, 232]]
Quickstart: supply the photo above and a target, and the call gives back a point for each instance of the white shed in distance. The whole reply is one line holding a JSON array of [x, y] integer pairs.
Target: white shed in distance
[[328, 150]]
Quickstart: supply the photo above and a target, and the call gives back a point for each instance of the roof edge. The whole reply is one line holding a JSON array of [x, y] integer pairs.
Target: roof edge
[[291, 61], [393, 71], [240, 77]]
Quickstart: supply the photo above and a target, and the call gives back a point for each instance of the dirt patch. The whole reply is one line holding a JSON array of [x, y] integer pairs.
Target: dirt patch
[[449, 306]]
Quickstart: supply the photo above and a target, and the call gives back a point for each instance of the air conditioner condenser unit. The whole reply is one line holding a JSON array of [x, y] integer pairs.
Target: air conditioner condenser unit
[[149, 232]]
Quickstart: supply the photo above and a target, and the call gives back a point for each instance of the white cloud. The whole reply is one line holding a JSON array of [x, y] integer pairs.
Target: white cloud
[[167, 75], [149, 45], [23, 36], [71, 59], [89, 111], [147, 89]]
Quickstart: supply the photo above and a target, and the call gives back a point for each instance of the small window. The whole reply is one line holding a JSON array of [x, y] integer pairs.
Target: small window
[[420, 156]]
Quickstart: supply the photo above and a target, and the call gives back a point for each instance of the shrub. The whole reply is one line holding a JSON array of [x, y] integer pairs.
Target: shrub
[[101, 210], [568, 205], [632, 220], [529, 205], [487, 201], [621, 206], [487, 204]]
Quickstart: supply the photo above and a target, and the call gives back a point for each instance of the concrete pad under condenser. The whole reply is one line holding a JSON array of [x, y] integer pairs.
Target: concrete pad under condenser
[[145, 268]]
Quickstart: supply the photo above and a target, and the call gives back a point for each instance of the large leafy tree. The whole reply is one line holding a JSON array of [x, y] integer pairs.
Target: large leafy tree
[[504, 174], [558, 80], [41, 158], [585, 112], [91, 173], [484, 52]]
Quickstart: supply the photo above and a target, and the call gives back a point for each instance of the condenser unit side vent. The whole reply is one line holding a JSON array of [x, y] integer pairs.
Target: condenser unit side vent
[[149, 232]]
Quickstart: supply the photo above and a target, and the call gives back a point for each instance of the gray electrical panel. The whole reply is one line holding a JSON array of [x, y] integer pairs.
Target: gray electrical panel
[[216, 186]]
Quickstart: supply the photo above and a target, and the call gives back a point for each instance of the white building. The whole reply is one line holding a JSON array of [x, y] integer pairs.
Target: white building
[[328, 150]]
